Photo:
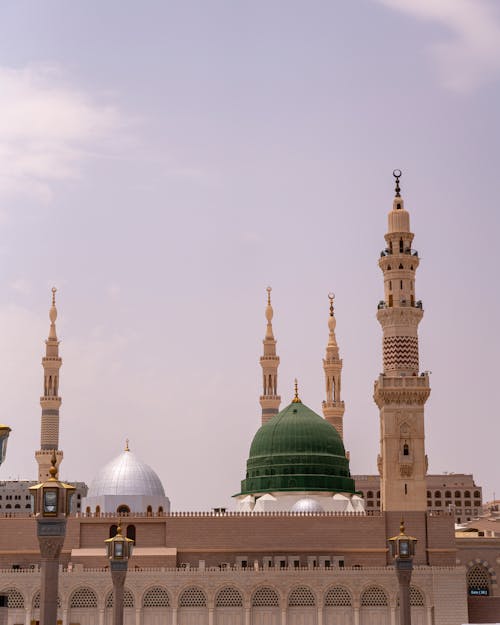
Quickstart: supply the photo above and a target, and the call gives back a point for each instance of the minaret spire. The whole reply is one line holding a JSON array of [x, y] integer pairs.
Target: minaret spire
[[50, 400], [269, 361], [333, 406], [401, 391]]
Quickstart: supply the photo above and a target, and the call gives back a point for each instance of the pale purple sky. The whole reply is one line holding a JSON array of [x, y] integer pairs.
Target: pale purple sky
[[161, 163]]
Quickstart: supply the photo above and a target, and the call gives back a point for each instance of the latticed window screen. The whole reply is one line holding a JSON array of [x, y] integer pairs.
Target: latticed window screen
[[83, 598], [36, 601], [265, 597], [156, 598], [301, 596], [128, 599], [416, 596], [15, 598], [374, 596], [338, 596], [193, 598], [229, 597], [478, 577]]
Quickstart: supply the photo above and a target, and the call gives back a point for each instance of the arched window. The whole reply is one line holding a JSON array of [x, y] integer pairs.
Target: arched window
[[14, 598], [265, 597], [406, 450], [156, 597], [193, 598], [467, 494], [87, 510], [401, 245], [83, 598], [300, 597], [228, 598], [160, 510], [477, 494], [338, 596], [98, 510], [369, 494], [374, 596], [478, 580], [458, 494], [122, 509], [17, 506], [416, 597], [131, 532], [113, 530], [448, 494], [437, 494], [149, 511]]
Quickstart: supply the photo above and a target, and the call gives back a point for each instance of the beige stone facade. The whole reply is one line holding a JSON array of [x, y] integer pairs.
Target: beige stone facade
[[455, 492]]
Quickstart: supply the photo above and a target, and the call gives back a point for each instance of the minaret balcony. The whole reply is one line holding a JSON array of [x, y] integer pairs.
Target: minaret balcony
[[402, 303], [402, 389], [408, 251]]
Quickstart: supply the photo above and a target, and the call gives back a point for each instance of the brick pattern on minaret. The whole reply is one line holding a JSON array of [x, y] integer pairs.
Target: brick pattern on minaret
[[269, 361], [401, 390], [50, 401], [333, 406]]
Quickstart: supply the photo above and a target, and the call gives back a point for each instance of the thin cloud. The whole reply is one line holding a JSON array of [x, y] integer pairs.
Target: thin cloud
[[470, 57], [47, 128]]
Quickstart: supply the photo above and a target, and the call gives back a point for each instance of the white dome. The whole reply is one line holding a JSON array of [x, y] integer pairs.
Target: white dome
[[126, 475], [307, 505]]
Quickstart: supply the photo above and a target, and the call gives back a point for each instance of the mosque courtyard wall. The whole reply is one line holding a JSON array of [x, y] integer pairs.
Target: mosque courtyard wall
[[238, 596]]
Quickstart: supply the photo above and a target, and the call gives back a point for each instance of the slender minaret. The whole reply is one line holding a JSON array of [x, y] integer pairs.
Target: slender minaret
[[50, 401], [401, 391], [269, 400], [333, 407]]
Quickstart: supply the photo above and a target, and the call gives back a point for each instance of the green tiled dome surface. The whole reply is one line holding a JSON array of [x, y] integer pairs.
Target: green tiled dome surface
[[297, 450]]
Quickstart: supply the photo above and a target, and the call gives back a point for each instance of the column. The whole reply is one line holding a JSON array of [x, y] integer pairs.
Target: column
[[247, 616], [27, 617], [356, 616], [210, 616], [101, 616], [393, 615], [283, 616], [429, 615], [138, 612], [174, 616], [118, 577], [320, 615]]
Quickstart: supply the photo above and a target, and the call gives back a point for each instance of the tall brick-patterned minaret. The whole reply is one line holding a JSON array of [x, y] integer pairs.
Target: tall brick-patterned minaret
[[269, 400], [50, 401], [401, 390], [333, 406]]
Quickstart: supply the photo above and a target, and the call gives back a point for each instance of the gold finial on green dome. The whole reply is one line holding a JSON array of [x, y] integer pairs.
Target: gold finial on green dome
[[296, 399]]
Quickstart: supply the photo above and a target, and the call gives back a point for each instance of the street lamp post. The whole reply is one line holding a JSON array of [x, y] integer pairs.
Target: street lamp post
[[4, 435], [52, 503], [402, 550], [118, 550]]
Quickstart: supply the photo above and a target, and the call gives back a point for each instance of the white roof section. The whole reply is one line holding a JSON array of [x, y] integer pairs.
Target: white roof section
[[126, 475]]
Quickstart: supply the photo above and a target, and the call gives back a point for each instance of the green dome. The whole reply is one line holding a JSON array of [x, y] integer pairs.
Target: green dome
[[297, 450]]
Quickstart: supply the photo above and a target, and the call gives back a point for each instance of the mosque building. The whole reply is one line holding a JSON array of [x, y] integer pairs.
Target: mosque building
[[301, 548]]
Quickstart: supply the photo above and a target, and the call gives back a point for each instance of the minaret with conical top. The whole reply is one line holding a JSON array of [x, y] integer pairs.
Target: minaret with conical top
[[333, 406], [50, 401], [401, 390], [269, 361]]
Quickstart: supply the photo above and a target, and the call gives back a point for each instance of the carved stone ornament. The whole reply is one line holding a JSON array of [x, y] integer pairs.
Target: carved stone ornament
[[51, 547], [380, 465], [405, 470]]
